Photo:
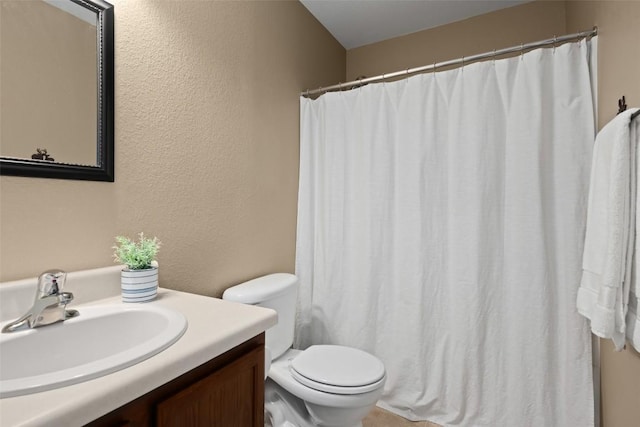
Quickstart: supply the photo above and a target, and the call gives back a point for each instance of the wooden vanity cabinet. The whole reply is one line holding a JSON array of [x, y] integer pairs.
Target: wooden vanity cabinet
[[227, 391]]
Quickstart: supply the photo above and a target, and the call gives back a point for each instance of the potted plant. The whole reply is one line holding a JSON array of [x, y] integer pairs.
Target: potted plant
[[139, 280]]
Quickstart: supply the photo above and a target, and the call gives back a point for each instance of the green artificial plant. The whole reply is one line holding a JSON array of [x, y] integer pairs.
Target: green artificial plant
[[136, 255]]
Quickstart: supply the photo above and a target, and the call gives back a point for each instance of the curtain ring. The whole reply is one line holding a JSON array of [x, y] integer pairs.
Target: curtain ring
[[494, 56], [555, 39], [521, 51]]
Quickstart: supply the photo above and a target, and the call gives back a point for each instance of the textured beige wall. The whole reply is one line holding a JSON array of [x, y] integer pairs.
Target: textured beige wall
[[206, 147], [504, 28], [48, 81], [618, 74]]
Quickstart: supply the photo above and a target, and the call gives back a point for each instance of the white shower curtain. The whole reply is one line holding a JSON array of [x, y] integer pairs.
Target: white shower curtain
[[440, 227]]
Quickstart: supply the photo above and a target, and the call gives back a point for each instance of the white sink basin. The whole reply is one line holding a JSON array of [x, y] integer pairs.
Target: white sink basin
[[101, 340]]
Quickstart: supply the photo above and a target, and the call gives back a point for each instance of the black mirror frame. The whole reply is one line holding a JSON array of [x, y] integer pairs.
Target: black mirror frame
[[105, 138]]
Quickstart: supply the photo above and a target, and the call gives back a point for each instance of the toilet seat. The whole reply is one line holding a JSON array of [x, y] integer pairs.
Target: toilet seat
[[338, 369]]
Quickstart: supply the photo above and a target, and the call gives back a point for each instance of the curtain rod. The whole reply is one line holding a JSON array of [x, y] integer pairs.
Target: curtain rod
[[460, 61]]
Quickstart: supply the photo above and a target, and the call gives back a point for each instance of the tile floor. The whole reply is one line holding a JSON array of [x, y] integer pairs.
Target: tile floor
[[381, 418]]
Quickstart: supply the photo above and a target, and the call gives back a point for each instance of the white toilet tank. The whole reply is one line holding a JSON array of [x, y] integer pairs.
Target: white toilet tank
[[278, 292]]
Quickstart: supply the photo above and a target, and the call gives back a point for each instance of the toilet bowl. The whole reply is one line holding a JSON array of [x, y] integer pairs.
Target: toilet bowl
[[327, 404], [324, 385]]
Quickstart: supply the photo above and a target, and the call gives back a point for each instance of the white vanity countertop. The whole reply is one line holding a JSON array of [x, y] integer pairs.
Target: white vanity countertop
[[214, 326]]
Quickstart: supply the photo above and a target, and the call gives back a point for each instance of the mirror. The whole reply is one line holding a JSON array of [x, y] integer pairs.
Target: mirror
[[56, 83]]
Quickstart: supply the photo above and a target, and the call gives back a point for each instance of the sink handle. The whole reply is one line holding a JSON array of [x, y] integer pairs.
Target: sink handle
[[65, 298], [50, 283]]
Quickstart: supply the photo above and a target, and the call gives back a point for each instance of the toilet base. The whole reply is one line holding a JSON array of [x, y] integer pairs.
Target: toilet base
[[282, 409]]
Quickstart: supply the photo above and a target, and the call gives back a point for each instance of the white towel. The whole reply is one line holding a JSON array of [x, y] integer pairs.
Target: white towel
[[633, 312], [610, 241]]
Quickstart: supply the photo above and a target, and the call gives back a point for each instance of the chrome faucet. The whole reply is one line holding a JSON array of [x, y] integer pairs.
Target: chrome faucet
[[49, 305]]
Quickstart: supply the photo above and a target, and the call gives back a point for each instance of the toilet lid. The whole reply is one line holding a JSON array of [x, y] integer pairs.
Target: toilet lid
[[338, 369]]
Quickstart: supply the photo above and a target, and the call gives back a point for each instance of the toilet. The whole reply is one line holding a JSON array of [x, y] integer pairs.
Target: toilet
[[324, 385]]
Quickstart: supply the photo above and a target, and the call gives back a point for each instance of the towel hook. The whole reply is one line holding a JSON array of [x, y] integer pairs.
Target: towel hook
[[622, 104]]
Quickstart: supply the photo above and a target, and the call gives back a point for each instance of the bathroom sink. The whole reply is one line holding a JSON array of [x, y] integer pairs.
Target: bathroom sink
[[101, 340]]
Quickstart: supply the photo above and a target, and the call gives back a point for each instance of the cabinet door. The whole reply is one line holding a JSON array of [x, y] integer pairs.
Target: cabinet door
[[230, 397]]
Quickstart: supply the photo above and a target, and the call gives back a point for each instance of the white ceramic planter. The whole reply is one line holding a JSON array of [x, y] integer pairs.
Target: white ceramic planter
[[139, 285]]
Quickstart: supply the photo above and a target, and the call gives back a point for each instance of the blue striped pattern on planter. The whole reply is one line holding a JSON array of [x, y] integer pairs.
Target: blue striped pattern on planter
[[139, 285]]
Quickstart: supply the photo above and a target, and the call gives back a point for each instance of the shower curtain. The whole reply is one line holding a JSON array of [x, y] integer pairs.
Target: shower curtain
[[441, 222]]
